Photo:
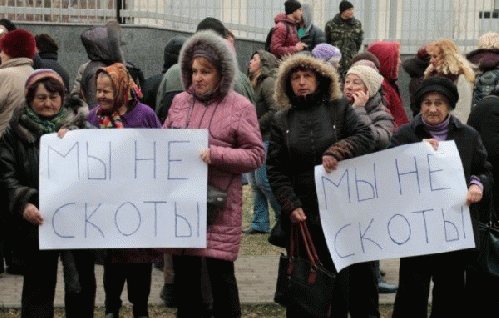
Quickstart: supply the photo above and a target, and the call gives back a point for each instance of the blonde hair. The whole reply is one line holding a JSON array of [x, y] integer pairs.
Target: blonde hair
[[489, 40], [452, 63]]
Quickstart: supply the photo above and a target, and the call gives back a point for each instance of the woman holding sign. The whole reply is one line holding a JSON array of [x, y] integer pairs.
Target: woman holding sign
[[437, 97], [119, 107], [317, 126], [42, 113], [234, 147]]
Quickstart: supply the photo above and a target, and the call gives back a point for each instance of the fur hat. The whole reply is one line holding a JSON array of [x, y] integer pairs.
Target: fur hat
[[291, 6], [214, 25], [46, 44], [489, 40], [18, 43], [345, 5], [328, 53], [441, 85], [371, 78]]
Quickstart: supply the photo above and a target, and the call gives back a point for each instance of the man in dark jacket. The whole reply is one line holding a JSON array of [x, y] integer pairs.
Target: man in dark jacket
[[345, 32], [47, 57], [315, 125], [151, 85]]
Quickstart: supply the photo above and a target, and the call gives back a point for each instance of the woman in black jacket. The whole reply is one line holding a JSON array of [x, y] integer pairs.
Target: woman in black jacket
[[43, 113], [436, 97], [317, 126]]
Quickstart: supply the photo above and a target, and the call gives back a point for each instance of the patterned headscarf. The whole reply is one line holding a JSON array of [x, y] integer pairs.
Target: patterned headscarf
[[126, 92]]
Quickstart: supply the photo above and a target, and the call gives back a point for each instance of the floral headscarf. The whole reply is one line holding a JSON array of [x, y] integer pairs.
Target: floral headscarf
[[126, 92]]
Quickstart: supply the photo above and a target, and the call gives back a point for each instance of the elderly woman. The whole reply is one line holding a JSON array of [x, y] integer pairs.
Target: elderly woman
[[362, 88], [314, 126], [118, 107], [42, 113], [437, 97], [234, 147]]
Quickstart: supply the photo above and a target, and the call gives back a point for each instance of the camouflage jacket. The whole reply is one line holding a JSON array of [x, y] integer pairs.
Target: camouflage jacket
[[347, 35]]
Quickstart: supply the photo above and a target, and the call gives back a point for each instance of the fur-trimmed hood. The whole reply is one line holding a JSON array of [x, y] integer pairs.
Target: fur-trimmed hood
[[328, 79], [75, 117], [209, 40]]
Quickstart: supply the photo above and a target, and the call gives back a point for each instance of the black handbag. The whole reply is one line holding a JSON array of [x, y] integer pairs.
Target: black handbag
[[215, 201], [303, 282], [488, 249]]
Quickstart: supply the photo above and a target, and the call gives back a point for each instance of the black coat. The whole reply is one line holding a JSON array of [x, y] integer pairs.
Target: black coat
[[471, 151], [484, 117], [49, 60], [19, 164], [299, 138]]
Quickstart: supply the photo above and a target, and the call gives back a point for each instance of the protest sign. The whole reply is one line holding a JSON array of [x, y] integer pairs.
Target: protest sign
[[123, 188], [399, 202]]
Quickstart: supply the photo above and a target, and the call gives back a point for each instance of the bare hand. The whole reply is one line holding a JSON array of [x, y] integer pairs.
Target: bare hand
[[474, 195], [32, 214], [62, 132], [300, 46], [433, 142], [360, 99], [205, 155], [298, 215], [329, 163]]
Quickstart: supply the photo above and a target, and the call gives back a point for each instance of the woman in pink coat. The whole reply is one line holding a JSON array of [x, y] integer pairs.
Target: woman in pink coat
[[234, 147]]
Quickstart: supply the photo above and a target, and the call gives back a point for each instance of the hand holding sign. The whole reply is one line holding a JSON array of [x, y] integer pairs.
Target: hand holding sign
[[396, 203]]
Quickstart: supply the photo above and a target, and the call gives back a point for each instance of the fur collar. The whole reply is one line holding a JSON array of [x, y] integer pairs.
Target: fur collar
[[323, 69], [226, 57]]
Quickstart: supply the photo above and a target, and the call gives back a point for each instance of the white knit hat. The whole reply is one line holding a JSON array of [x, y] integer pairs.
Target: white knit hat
[[371, 78]]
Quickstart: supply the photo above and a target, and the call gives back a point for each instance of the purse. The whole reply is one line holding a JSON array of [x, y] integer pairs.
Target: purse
[[488, 249], [303, 282], [215, 201]]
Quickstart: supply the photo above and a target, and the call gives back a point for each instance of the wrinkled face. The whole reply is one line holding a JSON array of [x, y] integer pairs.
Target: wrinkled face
[[204, 76], [347, 14], [353, 85], [255, 64], [45, 103], [436, 57], [434, 108], [303, 82], [105, 91]]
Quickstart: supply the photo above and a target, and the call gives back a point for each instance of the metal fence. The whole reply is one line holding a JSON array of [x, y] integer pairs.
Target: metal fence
[[411, 22]]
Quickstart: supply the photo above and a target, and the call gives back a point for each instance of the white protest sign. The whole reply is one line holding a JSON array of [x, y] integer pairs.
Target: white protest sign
[[123, 188], [399, 202]]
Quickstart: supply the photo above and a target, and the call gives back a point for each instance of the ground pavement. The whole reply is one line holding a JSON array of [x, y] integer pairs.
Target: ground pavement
[[256, 277]]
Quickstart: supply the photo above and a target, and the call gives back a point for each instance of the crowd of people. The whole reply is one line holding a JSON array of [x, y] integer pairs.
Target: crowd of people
[[310, 98]]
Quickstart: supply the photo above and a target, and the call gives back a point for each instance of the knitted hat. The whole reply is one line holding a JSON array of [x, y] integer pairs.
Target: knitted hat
[[39, 75], [18, 43], [46, 44], [440, 85], [345, 5], [291, 6], [214, 25], [489, 40], [364, 59], [328, 53], [371, 78]]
